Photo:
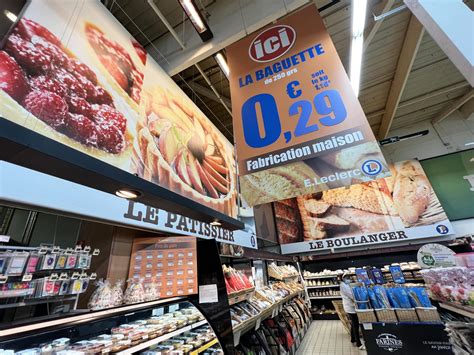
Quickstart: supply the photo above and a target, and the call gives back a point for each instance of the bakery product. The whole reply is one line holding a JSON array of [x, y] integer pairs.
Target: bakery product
[[332, 223], [184, 153], [366, 196], [316, 208], [288, 222], [278, 183], [363, 221], [48, 90], [411, 192]]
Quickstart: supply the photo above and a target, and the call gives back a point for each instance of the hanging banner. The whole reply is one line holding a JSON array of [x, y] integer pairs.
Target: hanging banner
[[298, 125], [49, 193], [71, 72], [399, 208]]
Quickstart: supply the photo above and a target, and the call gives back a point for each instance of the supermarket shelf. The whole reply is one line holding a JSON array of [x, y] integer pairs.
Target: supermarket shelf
[[204, 347], [464, 311], [326, 286], [326, 298], [321, 277], [254, 322], [147, 344], [88, 317], [285, 277], [240, 296], [38, 301]]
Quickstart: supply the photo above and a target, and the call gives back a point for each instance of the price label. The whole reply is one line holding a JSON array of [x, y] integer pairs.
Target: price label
[[96, 252], [173, 308], [55, 250], [43, 250], [3, 279], [237, 337], [53, 277], [93, 276], [83, 276], [27, 277], [69, 251], [158, 312], [257, 323], [78, 248], [63, 276], [87, 248], [75, 275]]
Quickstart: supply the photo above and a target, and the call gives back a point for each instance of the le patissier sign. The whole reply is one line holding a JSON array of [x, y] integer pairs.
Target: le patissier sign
[[51, 193], [298, 125]]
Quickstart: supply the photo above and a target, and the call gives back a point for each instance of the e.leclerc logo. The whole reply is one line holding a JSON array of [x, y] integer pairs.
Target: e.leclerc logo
[[272, 43], [389, 342], [371, 167], [442, 229]]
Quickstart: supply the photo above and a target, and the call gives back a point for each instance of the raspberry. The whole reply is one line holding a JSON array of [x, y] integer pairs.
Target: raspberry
[[47, 106], [12, 78], [80, 128], [74, 86], [44, 83], [87, 86], [106, 115], [28, 28], [103, 97], [27, 55], [80, 106], [110, 138], [57, 55], [74, 66]]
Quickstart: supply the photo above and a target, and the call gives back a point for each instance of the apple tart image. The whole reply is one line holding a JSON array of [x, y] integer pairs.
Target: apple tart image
[[183, 152], [46, 88]]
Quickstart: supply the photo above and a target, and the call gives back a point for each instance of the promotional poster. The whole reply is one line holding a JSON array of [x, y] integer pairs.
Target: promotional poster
[[398, 208], [298, 125], [71, 72]]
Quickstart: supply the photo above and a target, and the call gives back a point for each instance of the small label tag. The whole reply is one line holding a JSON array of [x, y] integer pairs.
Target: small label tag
[[53, 277], [63, 276], [69, 251], [4, 238], [158, 312], [87, 248], [75, 275], [257, 323], [83, 276], [3, 279], [96, 252], [55, 250], [78, 248], [367, 326], [43, 250], [173, 308], [93, 276], [237, 337], [27, 277]]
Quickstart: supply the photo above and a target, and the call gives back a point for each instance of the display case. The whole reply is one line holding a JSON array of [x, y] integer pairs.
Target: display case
[[150, 327]]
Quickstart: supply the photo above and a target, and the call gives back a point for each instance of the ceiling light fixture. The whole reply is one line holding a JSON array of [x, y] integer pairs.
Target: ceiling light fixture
[[196, 19], [127, 193], [359, 9], [10, 15], [222, 62], [215, 223], [396, 139], [470, 143]]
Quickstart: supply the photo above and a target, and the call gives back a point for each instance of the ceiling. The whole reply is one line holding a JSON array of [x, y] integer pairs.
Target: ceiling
[[432, 82]]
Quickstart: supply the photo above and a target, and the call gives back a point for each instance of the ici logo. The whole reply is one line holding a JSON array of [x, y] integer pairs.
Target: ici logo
[[272, 43]]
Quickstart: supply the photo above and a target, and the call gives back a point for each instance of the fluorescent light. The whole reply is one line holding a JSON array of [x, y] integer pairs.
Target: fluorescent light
[[10, 15], [194, 16], [359, 9], [215, 223], [470, 143], [128, 194], [222, 64]]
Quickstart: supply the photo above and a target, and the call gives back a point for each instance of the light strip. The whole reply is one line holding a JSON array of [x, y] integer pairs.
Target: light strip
[[193, 15], [359, 9], [10, 15], [222, 64]]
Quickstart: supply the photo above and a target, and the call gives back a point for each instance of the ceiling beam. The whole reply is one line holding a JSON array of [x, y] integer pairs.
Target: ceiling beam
[[387, 5], [208, 93], [453, 107], [411, 43]]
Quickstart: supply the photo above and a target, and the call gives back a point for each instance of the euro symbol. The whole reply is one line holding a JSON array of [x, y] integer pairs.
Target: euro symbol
[[291, 91]]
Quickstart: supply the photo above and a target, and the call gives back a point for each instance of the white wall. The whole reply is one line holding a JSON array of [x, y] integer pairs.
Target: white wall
[[454, 132]]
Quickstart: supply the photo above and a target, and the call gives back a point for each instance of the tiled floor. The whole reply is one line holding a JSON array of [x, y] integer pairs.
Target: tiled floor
[[328, 337]]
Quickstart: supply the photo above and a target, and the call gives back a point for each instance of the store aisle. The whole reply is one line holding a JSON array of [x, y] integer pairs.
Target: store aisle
[[327, 337]]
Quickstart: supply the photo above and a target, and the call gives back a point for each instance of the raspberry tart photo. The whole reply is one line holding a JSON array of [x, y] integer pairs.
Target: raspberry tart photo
[[183, 152], [44, 87]]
